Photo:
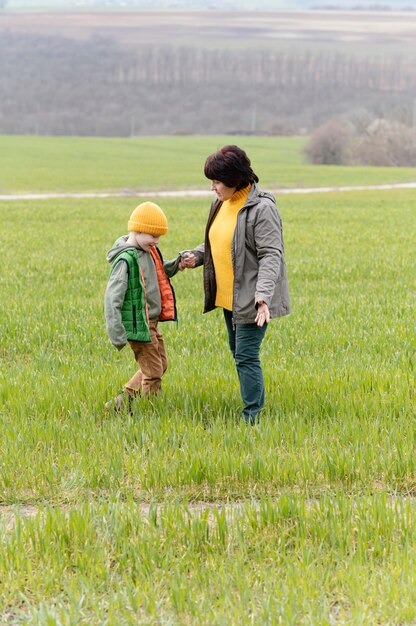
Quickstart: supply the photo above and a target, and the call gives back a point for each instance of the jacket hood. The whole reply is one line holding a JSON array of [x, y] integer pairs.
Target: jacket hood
[[256, 195], [118, 247]]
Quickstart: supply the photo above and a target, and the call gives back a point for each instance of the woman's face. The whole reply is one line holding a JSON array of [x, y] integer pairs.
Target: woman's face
[[223, 192]]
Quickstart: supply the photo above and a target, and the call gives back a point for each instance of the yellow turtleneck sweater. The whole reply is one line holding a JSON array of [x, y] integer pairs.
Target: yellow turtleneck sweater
[[220, 238]]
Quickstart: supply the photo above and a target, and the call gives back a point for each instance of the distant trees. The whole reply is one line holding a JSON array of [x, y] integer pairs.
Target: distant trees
[[3, 4], [377, 141], [329, 144], [54, 85], [385, 142]]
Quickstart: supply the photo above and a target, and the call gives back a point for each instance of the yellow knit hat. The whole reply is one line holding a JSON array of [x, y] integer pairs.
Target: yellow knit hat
[[148, 218]]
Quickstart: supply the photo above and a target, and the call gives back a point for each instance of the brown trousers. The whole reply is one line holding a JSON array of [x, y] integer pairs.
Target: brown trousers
[[152, 362]]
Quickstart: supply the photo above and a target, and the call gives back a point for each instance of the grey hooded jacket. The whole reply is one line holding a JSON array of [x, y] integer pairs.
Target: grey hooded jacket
[[257, 256], [117, 286]]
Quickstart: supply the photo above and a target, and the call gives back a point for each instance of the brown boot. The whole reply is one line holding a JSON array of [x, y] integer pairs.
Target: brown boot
[[121, 403]]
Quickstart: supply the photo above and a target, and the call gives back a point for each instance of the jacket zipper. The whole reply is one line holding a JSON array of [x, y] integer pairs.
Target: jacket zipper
[[234, 247]]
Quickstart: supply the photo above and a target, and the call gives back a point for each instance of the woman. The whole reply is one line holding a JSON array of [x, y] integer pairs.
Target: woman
[[244, 266]]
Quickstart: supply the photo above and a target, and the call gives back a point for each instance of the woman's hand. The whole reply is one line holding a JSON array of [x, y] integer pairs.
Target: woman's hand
[[188, 260], [263, 314]]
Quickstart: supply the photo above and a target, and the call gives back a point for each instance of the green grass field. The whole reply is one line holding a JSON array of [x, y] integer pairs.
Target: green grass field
[[181, 514], [160, 163]]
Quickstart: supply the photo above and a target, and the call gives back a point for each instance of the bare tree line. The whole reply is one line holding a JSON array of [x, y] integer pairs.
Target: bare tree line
[[179, 66], [53, 85]]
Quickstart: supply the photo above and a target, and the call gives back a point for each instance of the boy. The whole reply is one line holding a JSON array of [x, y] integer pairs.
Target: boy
[[138, 296]]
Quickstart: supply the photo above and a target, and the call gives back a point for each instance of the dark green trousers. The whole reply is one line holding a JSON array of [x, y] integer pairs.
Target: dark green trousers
[[245, 341]]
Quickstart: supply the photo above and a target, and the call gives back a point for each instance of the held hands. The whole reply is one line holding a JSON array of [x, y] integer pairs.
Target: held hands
[[188, 260], [263, 314]]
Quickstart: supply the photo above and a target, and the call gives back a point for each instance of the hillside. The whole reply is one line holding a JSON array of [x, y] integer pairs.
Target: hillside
[[174, 72], [254, 5]]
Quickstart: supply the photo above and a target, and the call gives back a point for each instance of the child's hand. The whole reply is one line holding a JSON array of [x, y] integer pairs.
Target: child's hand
[[188, 260]]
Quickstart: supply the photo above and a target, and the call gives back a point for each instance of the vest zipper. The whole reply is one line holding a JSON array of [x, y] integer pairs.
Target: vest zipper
[[134, 319]]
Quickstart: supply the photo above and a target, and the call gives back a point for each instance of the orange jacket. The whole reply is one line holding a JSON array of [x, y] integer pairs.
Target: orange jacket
[[167, 295]]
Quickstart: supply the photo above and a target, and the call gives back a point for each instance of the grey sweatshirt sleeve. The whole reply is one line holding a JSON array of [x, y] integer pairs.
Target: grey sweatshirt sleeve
[[172, 267], [113, 301], [269, 247]]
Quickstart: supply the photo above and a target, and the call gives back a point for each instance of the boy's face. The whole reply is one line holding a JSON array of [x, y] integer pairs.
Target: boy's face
[[146, 241]]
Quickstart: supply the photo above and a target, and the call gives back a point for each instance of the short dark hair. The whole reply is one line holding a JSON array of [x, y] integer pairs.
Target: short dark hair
[[231, 166]]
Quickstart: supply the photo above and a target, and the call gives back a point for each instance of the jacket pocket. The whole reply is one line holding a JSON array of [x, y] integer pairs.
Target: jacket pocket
[[134, 319]]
